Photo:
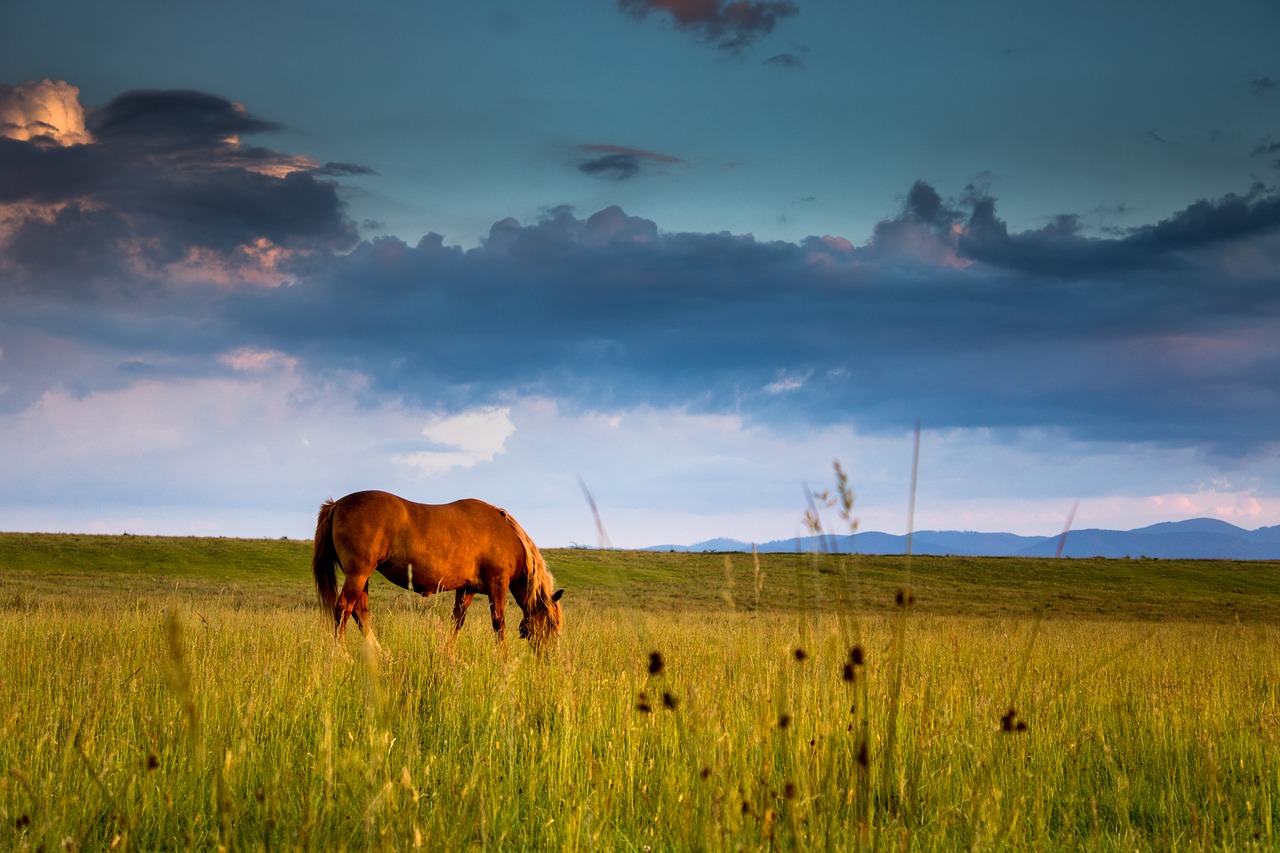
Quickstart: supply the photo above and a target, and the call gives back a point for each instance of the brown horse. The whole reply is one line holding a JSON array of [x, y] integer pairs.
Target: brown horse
[[467, 546]]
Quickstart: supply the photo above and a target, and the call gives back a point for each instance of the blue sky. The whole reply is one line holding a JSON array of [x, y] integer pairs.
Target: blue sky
[[691, 251]]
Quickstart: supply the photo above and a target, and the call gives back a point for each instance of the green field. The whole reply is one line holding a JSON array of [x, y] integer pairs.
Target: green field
[[161, 693]]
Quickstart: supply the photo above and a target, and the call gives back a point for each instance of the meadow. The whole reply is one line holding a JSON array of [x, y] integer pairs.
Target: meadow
[[186, 693]]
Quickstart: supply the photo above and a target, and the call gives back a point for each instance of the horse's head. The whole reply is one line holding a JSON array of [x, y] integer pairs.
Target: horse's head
[[542, 621]]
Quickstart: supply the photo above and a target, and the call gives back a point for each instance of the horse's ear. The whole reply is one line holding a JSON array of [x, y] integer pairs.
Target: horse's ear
[[557, 594]]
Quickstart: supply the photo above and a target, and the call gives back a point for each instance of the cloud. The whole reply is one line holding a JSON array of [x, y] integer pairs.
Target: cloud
[[145, 255], [620, 162], [143, 326], [255, 429], [338, 170], [254, 452], [619, 167], [462, 440], [174, 119], [45, 111], [788, 61], [1165, 333], [1181, 242], [1268, 147], [155, 187], [1261, 86], [730, 25]]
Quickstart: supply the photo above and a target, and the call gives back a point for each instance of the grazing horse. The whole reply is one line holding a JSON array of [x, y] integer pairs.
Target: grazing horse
[[467, 546]]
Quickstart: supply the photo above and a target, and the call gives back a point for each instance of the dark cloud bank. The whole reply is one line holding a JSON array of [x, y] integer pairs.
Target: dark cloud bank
[[1164, 333], [165, 178]]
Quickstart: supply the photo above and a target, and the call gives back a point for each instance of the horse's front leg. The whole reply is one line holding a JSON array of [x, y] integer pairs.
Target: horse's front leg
[[497, 607]]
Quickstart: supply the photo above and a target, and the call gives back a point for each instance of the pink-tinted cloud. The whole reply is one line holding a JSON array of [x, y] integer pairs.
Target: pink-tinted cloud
[[731, 26]]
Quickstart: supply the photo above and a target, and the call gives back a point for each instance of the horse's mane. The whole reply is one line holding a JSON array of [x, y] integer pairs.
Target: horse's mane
[[541, 584]]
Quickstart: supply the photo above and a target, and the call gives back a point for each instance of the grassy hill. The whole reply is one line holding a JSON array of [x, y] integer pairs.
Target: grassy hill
[[270, 573]]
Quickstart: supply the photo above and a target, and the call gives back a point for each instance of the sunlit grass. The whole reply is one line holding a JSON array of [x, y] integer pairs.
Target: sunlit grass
[[179, 720]]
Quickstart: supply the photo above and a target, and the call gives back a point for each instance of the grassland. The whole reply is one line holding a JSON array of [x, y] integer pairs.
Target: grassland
[[185, 693]]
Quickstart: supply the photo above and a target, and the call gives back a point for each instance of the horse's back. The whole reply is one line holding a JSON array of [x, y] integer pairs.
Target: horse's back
[[449, 545], [367, 521]]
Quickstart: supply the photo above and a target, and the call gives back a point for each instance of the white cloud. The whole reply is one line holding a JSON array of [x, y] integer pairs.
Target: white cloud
[[479, 430], [266, 437], [464, 440], [255, 451], [786, 382], [1237, 507]]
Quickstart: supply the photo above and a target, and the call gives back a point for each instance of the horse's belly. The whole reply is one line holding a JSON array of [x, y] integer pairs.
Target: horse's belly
[[424, 577]]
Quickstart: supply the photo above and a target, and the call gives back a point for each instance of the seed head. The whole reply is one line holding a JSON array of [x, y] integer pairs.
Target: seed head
[[656, 663], [668, 701], [784, 721], [801, 654], [856, 656], [1011, 723], [642, 703]]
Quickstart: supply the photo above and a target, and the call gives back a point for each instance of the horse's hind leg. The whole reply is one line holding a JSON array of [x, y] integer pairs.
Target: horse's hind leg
[[361, 613], [461, 601], [352, 601]]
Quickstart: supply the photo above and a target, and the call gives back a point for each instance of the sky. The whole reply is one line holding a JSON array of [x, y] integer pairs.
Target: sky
[[681, 255]]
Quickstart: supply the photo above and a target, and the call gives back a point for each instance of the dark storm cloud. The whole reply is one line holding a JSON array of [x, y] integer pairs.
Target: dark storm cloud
[[730, 25], [172, 119], [165, 175], [1169, 245], [1233, 217], [924, 204], [46, 173], [608, 310], [1167, 332]]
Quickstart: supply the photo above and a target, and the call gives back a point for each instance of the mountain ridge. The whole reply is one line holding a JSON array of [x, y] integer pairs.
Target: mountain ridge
[[1190, 539]]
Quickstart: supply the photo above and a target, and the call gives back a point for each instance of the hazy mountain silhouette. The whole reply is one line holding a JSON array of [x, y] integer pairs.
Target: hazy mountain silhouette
[[1194, 539]]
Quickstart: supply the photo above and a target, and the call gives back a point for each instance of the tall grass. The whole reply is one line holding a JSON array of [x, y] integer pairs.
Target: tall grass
[[176, 721]]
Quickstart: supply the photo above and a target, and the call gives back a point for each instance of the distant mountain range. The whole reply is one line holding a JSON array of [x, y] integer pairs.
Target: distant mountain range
[[1195, 539]]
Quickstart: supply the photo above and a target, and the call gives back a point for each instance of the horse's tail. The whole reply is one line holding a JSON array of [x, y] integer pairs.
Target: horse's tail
[[541, 583], [324, 557]]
